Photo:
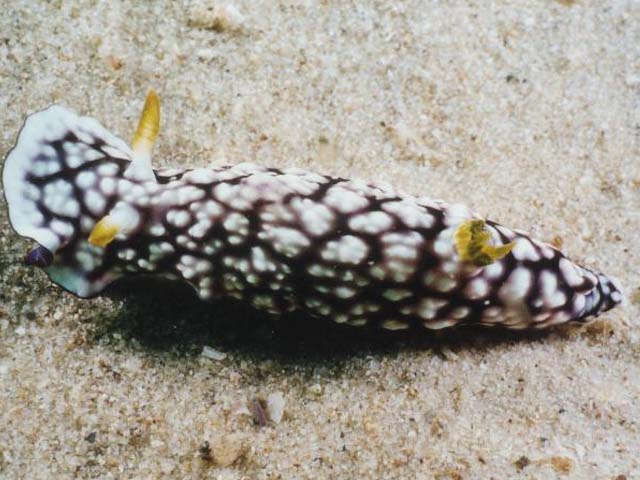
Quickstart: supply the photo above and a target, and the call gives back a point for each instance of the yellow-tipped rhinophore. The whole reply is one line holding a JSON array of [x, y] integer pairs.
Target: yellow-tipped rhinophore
[[145, 137], [472, 243], [148, 126], [104, 232]]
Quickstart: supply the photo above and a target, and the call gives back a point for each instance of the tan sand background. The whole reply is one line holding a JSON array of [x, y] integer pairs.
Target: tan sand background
[[528, 111]]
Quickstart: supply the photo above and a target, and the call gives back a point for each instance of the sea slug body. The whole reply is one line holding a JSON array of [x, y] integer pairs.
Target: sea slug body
[[280, 239]]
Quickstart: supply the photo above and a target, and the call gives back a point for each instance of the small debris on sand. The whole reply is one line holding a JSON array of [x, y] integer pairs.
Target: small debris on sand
[[259, 415], [275, 407], [240, 408], [224, 450], [561, 464], [213, 354], [204, 451], [213, 16], [522, 462]]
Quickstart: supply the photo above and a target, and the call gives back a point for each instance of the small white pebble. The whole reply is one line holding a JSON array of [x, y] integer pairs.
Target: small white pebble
[[275, 406], [213, 354]]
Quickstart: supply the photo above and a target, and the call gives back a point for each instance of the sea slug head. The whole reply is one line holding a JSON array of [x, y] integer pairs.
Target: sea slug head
[[62, 182]]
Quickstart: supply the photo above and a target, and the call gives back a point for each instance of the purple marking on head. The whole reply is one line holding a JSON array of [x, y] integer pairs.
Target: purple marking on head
[[39, 257]]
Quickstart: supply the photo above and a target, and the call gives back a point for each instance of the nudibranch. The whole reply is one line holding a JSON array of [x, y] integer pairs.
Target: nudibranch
[[279, 239]]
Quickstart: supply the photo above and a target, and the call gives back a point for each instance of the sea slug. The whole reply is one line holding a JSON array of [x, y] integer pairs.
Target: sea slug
[[280, 239]]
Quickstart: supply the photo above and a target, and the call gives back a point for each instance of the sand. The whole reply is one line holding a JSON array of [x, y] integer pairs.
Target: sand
[[526, 111]]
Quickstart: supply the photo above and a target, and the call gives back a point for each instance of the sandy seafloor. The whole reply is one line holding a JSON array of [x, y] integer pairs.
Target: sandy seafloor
[[528, 111]]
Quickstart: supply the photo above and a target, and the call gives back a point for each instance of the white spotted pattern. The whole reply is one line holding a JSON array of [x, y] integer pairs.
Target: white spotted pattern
[[371, 223], [347, 249], [344, 200], [516, 286]]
